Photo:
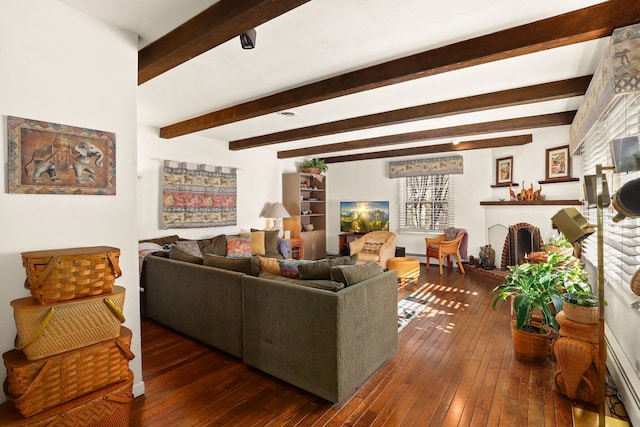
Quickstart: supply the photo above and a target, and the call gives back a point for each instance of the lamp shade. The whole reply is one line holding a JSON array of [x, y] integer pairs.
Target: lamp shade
[[277, 210], [572, 224]]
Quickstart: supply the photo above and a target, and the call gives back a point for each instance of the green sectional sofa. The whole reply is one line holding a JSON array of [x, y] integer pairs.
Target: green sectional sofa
[[324, 336]]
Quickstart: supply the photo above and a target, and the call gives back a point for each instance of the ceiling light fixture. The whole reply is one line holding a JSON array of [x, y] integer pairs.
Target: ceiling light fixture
[[287, 113], [248, 39]]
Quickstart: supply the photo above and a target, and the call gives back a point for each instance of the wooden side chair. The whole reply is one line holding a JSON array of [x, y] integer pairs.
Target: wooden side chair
[[440, 249]]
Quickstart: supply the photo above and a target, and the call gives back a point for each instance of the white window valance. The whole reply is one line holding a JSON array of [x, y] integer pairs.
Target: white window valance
[[432, 166]]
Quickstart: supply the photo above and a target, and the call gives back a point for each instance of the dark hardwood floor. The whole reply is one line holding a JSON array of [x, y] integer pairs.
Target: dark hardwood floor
[[454, 367]]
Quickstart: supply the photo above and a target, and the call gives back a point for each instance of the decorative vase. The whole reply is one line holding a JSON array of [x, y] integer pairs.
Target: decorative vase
[[528, 347], [308, 227]]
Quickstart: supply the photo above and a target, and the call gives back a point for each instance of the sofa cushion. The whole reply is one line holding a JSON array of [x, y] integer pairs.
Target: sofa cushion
[[351, 274], [289, 267], [321, 270], [238, 247], [241, 265], [327, 285], [218, 246], [181, 254]]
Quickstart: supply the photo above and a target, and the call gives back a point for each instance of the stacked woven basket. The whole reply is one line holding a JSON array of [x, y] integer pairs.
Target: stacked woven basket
[[70, 366]]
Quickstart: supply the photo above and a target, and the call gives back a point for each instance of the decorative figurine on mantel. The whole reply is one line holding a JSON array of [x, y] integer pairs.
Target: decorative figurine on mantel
[[526, 194]]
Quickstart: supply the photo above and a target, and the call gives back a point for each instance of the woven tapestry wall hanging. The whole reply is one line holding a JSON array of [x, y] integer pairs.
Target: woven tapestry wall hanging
[[198, 196], [433, 166]]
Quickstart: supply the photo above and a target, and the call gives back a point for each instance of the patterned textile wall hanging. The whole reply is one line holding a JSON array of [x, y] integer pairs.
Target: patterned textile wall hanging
[[198, 196], [434, 166]]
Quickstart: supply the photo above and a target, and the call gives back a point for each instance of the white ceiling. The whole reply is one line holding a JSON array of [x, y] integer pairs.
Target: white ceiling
[[324, 38]]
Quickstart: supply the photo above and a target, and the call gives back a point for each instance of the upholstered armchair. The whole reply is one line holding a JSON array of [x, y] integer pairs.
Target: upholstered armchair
[[446, 246], [377, 246]]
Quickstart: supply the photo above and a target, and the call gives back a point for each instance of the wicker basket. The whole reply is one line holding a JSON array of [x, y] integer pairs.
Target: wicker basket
[[45, 330], [530, 347], [560, 250], [64, 274], [582, 331], [36, 386], [107, 407], [580, 314]]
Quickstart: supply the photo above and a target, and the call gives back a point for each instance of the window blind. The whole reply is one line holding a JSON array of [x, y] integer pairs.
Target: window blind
[[425, 203], [622, 239]]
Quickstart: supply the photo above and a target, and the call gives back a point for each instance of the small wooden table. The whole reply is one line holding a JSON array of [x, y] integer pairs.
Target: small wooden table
[[296, 245], [407, 268]]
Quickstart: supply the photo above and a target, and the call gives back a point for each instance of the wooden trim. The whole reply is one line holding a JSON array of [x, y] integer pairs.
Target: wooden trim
[[219, 23], [531, 202], [520, 123], [553, 181], [573, 27], [508, 184], [506, 141], [506, 98]]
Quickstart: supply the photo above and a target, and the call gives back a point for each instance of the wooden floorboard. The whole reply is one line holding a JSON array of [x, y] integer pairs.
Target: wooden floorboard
[[454, 367]]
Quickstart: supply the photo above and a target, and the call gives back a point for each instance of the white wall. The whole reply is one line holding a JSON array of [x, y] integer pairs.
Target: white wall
[[61, 66], [368, 180], [259, 180]]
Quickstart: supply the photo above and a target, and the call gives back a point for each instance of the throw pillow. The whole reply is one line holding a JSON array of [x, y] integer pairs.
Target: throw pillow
[[241, 265], [218, 246], [269, 265], [450, 234], [344, 260], [352, 274], [181, 254], [270, 242], [318, 270], [238, 247], [257, 243], [190, 246], [372, 246], [289, 267]]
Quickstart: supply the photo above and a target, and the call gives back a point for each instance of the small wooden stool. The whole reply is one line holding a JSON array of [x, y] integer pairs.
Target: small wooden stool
[[407, 268]]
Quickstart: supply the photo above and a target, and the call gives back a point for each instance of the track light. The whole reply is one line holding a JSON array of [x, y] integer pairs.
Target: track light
[[248, 39]]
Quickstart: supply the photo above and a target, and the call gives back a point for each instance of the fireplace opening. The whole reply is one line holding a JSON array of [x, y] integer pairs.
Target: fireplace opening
[[521, 239]]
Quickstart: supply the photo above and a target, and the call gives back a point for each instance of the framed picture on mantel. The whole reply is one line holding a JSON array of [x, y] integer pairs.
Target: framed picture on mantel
[[558, 164], [504, 170]]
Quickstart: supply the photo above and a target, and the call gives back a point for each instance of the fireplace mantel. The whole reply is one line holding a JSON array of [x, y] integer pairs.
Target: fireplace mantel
[[531, 203]]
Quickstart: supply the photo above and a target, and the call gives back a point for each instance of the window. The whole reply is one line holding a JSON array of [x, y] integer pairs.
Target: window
[[622, 239], [425, 202]]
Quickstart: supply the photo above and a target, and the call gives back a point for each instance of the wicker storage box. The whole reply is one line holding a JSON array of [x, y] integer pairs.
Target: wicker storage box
[[107, 407], [64, 274], [34, 386], [45, 330]]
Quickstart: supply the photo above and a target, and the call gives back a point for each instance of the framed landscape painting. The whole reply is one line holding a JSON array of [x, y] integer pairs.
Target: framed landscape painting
[[558, 163]]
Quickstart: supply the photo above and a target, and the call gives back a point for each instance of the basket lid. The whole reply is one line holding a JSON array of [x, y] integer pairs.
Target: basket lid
[[30, 303], [70, 251]]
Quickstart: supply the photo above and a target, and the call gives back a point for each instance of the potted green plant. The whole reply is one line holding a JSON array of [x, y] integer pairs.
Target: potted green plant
[[314, 166], [559, 244], [536, 292]]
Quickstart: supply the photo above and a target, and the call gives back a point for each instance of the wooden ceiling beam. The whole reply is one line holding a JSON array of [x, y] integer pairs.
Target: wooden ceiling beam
[[520, 123], [505, 98], [506, 141], [219, 23], [573, 27]]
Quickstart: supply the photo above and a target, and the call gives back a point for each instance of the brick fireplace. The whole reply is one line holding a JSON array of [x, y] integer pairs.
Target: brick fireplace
[[521, 239]]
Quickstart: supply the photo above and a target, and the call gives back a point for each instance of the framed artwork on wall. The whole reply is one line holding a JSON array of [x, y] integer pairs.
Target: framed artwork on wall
[[504, 170], [51, 158], [558, 163]]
